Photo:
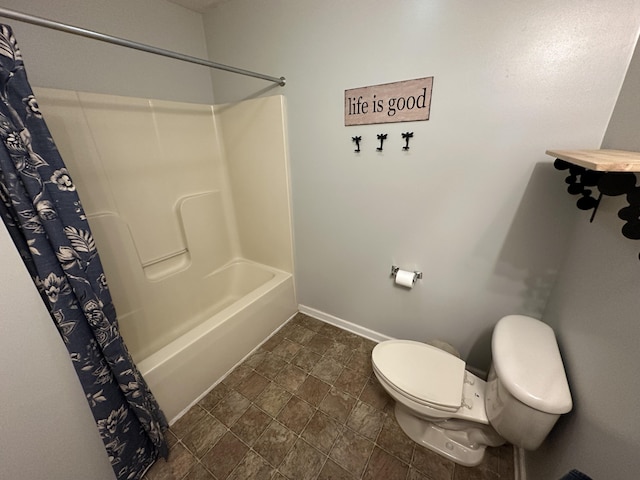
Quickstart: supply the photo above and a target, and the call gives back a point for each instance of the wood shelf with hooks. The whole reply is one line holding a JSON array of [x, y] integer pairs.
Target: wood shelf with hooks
[[600, 160], [612, 172]]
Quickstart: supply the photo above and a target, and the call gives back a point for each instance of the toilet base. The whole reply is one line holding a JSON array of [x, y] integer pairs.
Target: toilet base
[[443, 442]]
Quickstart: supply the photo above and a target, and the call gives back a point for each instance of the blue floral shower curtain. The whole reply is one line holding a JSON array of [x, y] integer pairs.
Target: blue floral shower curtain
[[42, 211]]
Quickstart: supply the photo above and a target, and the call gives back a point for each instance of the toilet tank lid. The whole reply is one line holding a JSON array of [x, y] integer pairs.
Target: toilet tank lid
[[527, 361]]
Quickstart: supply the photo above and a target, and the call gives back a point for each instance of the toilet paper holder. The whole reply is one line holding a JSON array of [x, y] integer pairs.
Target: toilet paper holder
[[416, 275]]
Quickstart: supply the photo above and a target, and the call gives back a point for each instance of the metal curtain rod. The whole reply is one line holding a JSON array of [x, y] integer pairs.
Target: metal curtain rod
[[44, 22]]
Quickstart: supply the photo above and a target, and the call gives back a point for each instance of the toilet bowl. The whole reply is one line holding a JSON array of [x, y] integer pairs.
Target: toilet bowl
[[444, 407]]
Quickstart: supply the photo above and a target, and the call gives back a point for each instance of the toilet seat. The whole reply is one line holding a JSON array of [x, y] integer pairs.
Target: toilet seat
[[423, 373]]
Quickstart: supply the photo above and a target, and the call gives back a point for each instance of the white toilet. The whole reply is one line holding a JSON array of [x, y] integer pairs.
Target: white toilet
[[447, 409]]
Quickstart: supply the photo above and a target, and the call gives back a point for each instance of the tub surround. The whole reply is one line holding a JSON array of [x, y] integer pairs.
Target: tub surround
[[189, 206]]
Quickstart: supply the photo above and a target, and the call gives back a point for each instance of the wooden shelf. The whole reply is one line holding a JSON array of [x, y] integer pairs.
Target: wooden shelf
[[600, 160], [608, 183]]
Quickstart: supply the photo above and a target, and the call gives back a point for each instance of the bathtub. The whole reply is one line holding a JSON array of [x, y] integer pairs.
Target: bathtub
[[257, 300], [170, 217]]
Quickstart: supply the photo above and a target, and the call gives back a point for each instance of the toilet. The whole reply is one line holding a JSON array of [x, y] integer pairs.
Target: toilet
[[446, 408]]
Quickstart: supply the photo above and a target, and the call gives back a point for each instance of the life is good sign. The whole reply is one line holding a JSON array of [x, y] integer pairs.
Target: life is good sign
[[406, 101]]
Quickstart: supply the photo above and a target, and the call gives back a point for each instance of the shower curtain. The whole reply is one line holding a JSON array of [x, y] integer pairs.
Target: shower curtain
[[42, 211]]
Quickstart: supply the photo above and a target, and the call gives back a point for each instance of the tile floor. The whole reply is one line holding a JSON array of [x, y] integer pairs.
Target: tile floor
[[306, 406]]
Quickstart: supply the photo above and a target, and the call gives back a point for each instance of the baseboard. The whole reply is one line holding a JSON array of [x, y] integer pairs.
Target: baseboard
[[478, 372], [365, 332], [344, 324], [518, 463], [518, 453]]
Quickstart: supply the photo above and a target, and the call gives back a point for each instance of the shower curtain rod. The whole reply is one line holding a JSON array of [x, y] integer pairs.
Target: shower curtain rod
[[44, 22]]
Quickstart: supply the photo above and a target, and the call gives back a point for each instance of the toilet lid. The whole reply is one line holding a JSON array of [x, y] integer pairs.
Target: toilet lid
[[421, 371]]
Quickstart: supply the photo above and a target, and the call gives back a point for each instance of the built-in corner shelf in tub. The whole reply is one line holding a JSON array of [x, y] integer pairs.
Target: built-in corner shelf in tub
[[612, 173]]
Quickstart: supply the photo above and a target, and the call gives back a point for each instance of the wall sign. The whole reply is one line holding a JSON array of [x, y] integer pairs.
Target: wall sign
[[406, 101]]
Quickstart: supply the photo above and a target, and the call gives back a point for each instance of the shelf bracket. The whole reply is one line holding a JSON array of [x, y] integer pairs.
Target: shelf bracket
[[610, 183], [578, 179]]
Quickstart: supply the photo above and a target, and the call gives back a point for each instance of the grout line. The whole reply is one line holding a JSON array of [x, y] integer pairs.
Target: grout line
[[316, 408], [342, 426]]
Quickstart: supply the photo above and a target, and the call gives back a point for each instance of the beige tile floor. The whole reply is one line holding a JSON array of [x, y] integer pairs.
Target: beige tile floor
[[307, 406]]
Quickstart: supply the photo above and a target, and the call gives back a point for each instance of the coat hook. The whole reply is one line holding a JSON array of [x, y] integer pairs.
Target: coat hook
[[406, 136], [357, 140], [382, 137]]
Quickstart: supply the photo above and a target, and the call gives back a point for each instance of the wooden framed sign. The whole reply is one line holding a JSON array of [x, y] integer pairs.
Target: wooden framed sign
[[406, 101]]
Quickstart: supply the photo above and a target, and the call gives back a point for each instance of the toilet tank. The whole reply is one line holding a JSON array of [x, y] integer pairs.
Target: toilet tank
[[527, 388]]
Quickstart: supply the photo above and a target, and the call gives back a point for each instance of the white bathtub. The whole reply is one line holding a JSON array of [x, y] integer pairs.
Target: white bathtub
[[258, 300]]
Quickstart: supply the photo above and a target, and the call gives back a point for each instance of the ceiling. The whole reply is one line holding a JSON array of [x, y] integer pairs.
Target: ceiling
[[197, 5]]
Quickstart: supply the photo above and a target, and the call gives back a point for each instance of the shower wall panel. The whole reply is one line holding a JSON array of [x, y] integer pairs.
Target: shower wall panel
[[155, 187], [254, 136]]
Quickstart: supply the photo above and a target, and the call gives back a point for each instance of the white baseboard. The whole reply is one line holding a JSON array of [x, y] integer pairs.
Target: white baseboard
[[518, 453], [518, 462], [365, 332], [345, 325]]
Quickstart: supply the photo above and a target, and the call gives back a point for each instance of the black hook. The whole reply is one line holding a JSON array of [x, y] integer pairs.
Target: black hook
[[357, 140], [382, 137], [407, 136]]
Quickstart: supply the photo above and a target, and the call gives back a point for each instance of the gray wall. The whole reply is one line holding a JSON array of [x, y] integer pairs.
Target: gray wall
[[594, 310], [46, 427], [60, 60], [475, 203], [622, 132]]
